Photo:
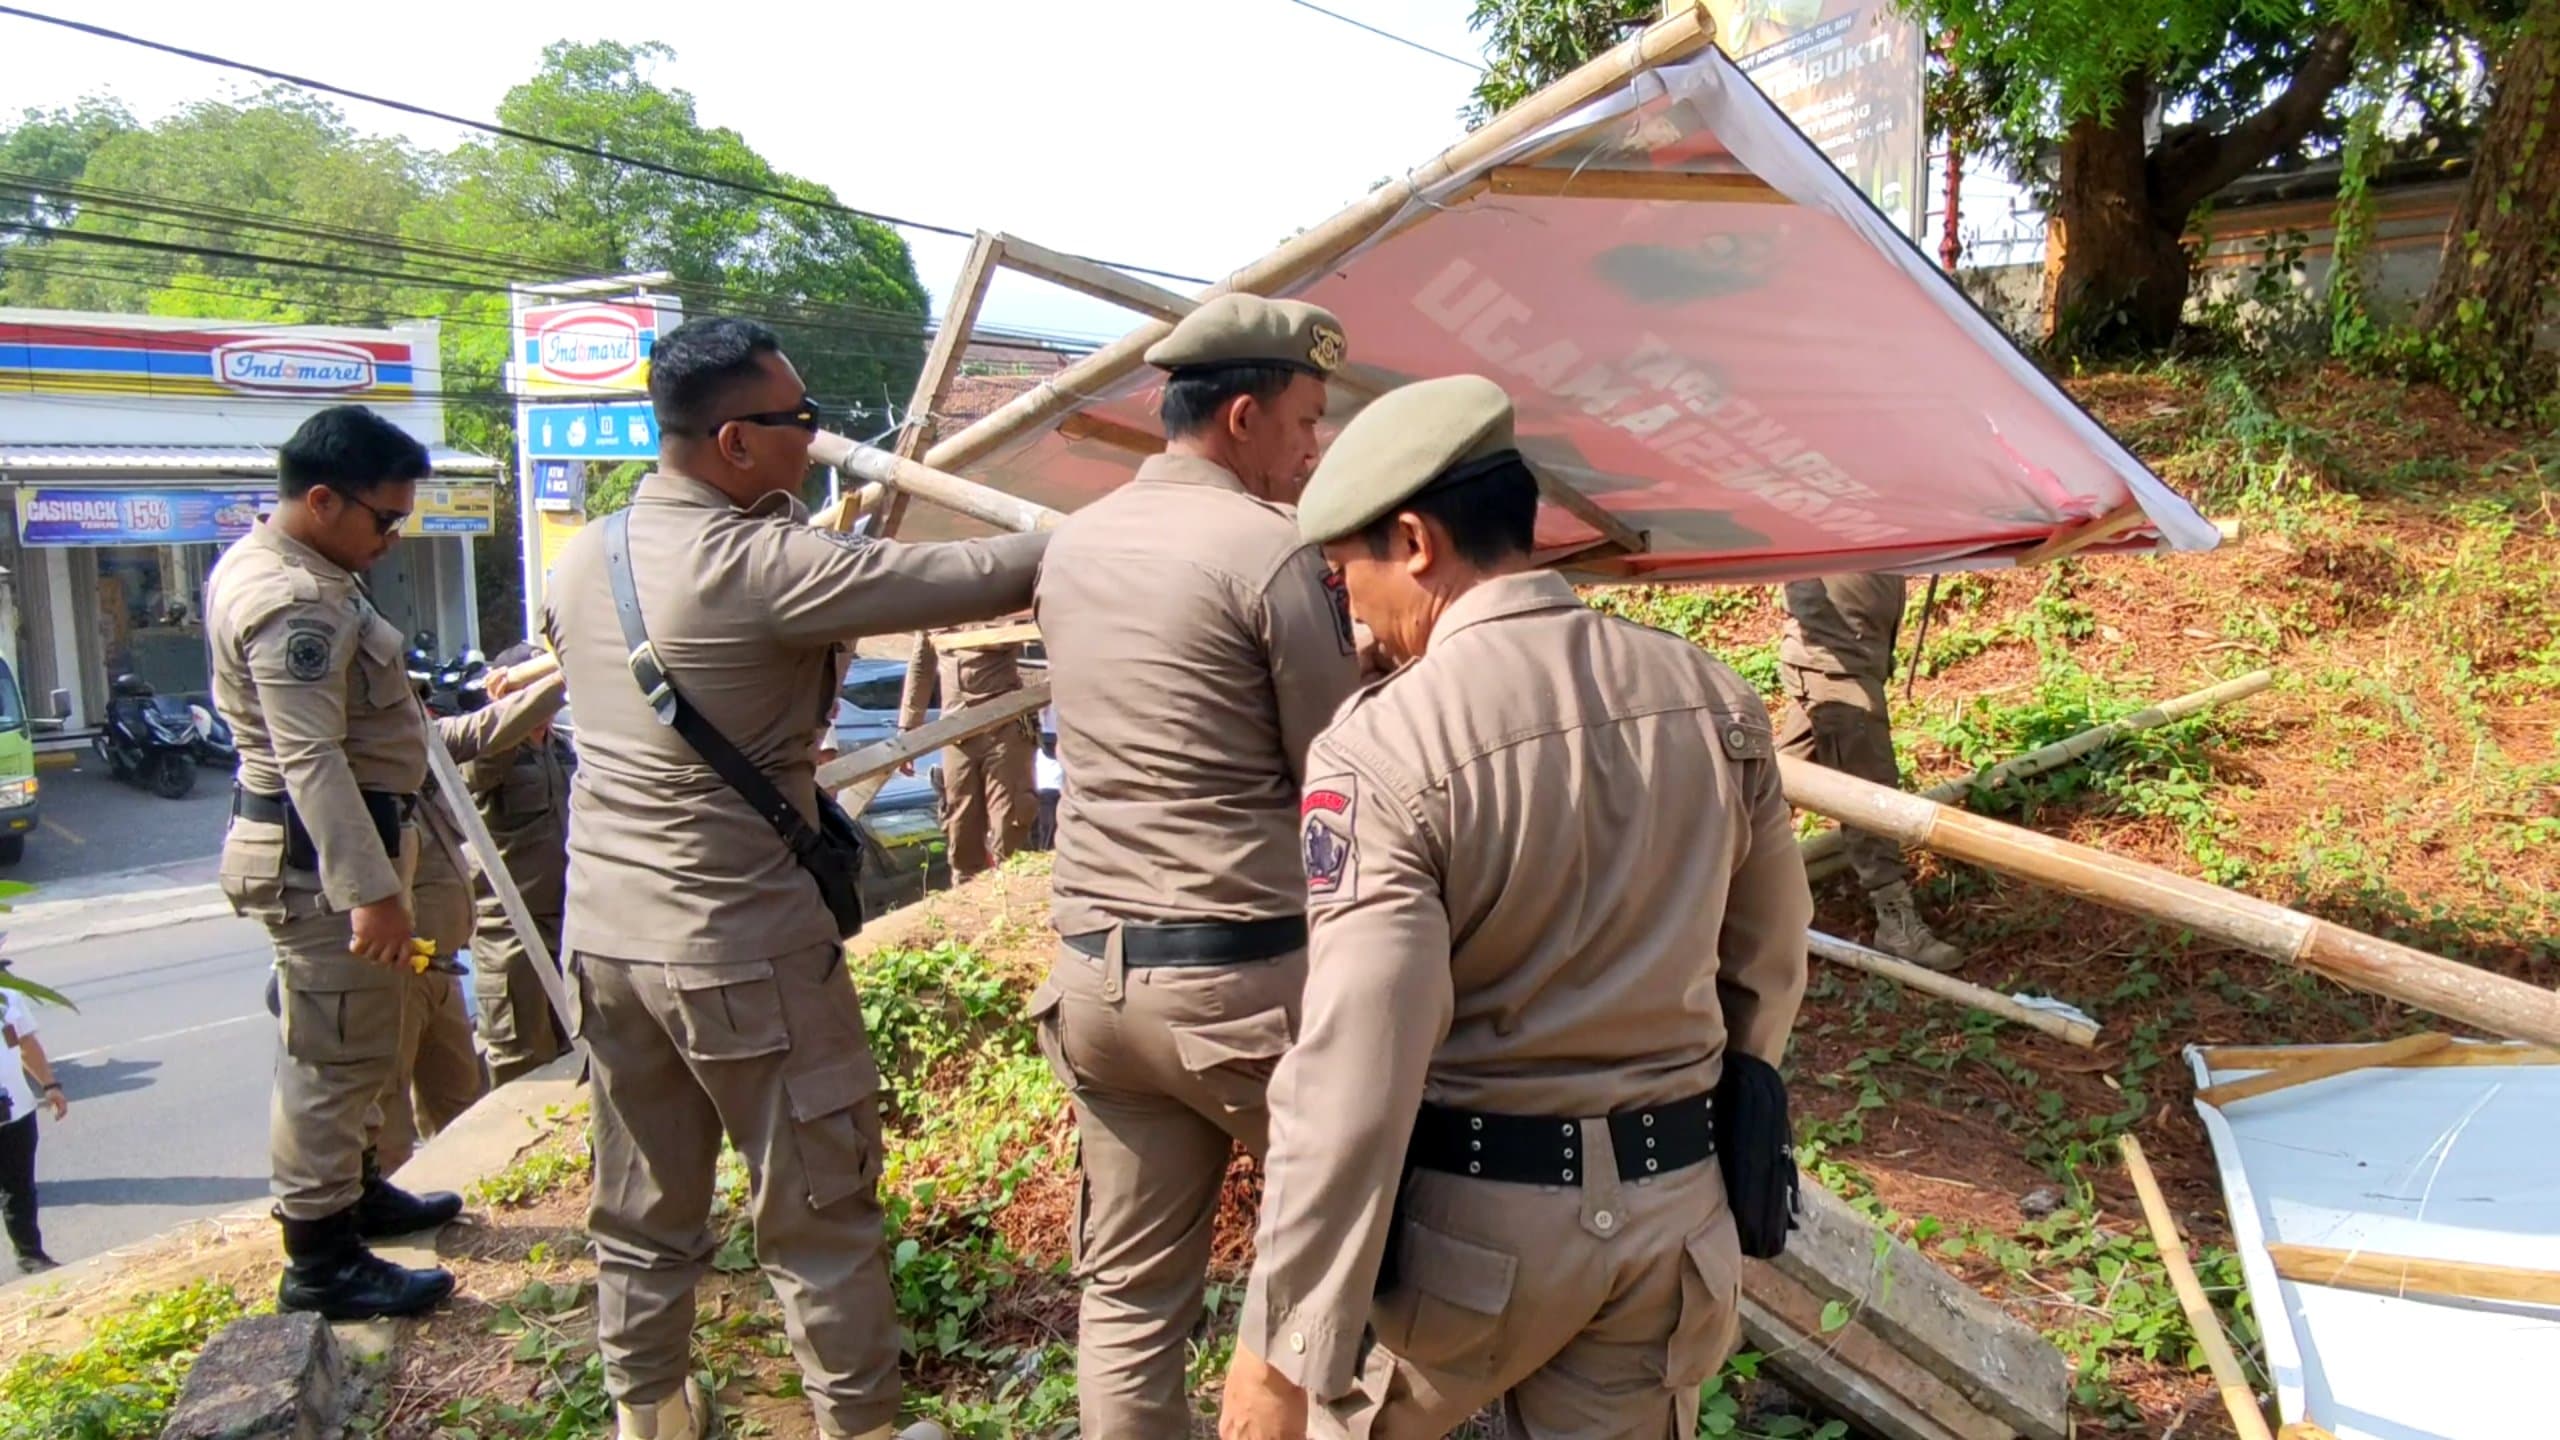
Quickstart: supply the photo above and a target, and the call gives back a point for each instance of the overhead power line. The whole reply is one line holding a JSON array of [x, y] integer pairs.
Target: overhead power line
[[548, 142], [1387, 35]]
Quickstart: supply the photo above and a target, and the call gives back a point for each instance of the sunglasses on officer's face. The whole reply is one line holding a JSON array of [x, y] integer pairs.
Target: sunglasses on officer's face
[[807, 415], [384, 521]]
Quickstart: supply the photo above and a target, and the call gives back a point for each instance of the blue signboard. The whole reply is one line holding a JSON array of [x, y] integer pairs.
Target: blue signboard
[[137, 517], [555, 484], [591, 430]]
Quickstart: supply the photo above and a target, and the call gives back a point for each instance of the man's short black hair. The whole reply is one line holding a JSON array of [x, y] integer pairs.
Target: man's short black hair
[[1193, 397], [1491, 519], [352, 451], [698, 365]]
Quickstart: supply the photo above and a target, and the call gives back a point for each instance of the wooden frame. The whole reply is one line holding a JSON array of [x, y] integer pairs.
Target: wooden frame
[[2072, 539], [2322, 1066], [1587, 183], [941, 367], [2238, 1397], [1074, 272], [2378, 1274]]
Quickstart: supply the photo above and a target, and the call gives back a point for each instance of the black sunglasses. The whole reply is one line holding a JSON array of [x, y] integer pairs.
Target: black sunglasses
[[384, 521], [807, 415]]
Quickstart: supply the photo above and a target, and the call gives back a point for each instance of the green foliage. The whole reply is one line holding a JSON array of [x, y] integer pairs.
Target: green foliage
[[1720, 1410], [554, 1329], [924, 1008], [120, 1383], [539, 1172], [1529, 44]]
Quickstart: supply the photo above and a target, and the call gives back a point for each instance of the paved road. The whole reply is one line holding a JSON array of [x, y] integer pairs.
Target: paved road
[[168, 1066], [94, 824]]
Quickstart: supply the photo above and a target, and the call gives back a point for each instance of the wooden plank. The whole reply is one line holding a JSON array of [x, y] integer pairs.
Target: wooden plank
[[2323, 1066], [1854, 1374], [2072, 539], [2462, 1053], [2303, 1430], [1589, 183], [1083, 276], [2000, 1366], [952, 727], [2378, 1274], [1627, 538], [1084, 425], [992, 637], [941, 367], [2237, 1396]]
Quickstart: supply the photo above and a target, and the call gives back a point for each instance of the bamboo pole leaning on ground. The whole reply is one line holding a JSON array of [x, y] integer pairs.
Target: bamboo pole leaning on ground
[[2431, 983], [1949, 988], [2228, 1377], [1823, 850]]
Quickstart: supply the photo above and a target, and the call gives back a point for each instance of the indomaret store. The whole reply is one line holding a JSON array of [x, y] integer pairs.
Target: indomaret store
[[134, 448]]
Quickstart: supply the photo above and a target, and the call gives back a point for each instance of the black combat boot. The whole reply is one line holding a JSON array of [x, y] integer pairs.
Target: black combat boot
[[385, 1210], [328, 1271]]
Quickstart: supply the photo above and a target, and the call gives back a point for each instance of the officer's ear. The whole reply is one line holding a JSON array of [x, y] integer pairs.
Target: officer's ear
[[732, 440], [1423, 546]]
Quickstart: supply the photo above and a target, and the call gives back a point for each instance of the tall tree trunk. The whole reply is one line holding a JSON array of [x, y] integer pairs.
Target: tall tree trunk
[[2502, 255], [2114, 272]]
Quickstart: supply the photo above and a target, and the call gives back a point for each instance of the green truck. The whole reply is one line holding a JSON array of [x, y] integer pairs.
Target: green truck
[[18, 764]]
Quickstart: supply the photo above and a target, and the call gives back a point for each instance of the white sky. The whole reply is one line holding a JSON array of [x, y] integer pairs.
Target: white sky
[[1191, 135]]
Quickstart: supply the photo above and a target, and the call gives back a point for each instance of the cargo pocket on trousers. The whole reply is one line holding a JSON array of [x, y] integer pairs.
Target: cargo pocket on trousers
[[342, 1026], [728, 1012], [1049, 1030], [1447, 1312], [835, 1116], [1710, 1305], [251, 872], [1234, 1058]]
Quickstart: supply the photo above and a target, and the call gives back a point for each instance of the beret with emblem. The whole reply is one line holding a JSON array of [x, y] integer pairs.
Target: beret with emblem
[[1413, 438], [1249, 330]]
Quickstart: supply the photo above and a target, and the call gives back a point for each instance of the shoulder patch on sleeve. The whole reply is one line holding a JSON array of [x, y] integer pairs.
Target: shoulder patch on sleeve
[[306, 654], [1325, 835], [1744, 740]]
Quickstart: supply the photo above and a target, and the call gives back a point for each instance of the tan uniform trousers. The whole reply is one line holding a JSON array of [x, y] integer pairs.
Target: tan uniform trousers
[[1585, 1328], [1841, 722], [437, 1075], [341, 1020], [1167, 1066], [517, 1027], [772, 1053], [990, 800]]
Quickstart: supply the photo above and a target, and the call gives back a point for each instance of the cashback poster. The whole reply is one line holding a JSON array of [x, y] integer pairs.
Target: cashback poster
[[82, 516], [1848, 73]]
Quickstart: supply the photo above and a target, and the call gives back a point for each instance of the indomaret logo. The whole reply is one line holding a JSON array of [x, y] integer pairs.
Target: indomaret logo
[[589, 344], [293, 367]]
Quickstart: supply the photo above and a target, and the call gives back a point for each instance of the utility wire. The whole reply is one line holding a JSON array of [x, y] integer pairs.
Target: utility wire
[[552, 142], [1372, 29]]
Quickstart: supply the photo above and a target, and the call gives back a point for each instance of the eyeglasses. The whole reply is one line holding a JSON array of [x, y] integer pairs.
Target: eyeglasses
[[808, 415], [384, 521]]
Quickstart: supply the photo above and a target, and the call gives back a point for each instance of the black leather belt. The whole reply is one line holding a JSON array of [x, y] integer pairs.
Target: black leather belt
[[1547, 1149], [1218, 942], [388, 811]]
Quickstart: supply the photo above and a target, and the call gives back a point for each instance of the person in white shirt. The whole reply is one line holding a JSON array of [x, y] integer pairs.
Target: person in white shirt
[[26, 1080]]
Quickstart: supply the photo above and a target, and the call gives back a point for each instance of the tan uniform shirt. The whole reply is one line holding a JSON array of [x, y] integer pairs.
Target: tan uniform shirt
[[1195, 650], [966, 677], [1550, 872], [314, 684], [746, 608], [523, 796], [492, 731], [1843, 624]]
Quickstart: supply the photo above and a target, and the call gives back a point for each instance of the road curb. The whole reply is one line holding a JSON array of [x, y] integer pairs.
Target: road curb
[[149, 911]]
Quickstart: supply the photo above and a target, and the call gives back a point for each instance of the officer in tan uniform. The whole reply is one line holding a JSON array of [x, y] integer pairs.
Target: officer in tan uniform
[[709, 972], [440, 1073], [989, 797], [1195, 649], [1835, 657], [322, 845], [522, 791], [1552, 882]]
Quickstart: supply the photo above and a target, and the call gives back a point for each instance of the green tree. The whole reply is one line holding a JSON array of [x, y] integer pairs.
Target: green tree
[[45, 150], [1531, 43], [2502, 254]]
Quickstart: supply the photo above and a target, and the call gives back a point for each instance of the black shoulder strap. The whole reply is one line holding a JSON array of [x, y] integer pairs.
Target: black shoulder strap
[[669, 703]]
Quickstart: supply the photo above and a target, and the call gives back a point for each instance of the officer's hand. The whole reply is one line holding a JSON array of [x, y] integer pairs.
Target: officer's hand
[[54, 1097], [382, 931], [1261, 1403], [907, 767], [1373, 658]]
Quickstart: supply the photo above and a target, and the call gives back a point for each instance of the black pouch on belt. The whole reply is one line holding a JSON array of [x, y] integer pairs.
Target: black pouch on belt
[[388, 813], [1391, 1259], [1757, 1149]]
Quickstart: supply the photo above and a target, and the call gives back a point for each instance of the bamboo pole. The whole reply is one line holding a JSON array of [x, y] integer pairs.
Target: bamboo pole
[[1683, 31], [1947, 987], [2399, 1275], [2468, 1053], [949, 729], [2426, 982], [484, 849], [908, 477], [2323, 1066], [1829, 843], [941, 366], [1074, 272], [2237, 1396]]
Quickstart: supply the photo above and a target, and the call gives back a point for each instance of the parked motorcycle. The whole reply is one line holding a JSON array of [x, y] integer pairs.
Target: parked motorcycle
[[214, 745], [149, 739], [450, 687]]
